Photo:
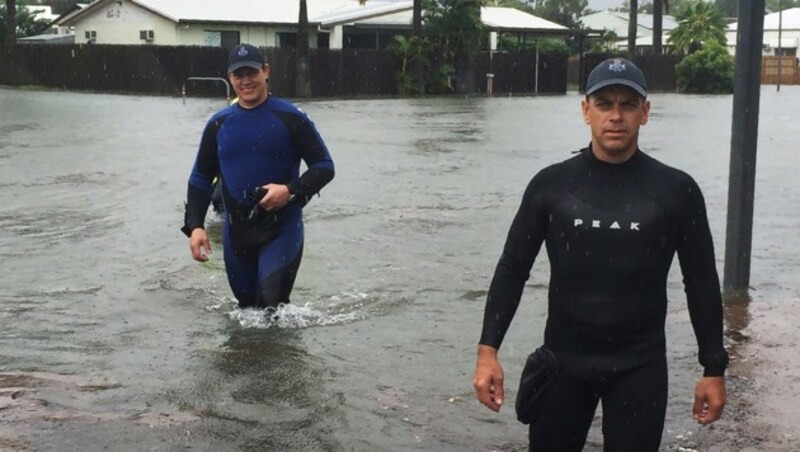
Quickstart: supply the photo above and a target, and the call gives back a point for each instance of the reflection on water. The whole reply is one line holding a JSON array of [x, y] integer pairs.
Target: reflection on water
[[263, 392], [376, 351]]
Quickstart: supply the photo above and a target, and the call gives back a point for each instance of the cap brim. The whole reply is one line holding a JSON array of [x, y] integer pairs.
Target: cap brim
[[618, 81], [238, 65]]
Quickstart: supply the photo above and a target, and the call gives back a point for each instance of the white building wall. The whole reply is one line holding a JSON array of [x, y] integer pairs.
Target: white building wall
[[770, 36], [120, 22], [337, 37], [196, 34]]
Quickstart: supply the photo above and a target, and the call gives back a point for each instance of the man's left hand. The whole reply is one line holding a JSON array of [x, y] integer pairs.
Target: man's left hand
[[709, 399], [277, 197]]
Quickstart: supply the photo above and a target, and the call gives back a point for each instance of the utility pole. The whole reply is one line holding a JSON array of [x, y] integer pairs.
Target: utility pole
[[744, 140], [658, 26], [302, 80], [778, 52], [633, 27]]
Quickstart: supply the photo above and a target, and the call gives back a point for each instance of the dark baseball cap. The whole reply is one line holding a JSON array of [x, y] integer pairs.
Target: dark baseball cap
[[245, 55], [616, 71]]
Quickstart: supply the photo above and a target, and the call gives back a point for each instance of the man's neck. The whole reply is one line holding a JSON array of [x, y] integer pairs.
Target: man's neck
[[613, 158], [254, 104]]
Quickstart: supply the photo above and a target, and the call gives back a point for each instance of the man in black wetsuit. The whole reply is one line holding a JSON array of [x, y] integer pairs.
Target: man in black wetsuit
[[255, 146], [611, 219]]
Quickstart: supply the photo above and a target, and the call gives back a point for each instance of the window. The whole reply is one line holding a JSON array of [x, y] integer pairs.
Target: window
[[225, 39], [368, 39], [323, 41], [287, 40]]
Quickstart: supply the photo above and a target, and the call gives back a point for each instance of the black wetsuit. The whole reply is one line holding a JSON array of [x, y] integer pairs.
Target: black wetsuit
[[250, 148], [611, 232]]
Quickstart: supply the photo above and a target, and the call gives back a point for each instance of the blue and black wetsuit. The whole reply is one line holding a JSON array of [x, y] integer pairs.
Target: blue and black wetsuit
[[249, 148], [611, 232]]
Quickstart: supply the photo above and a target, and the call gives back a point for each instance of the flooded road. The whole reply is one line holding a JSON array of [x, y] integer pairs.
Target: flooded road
[[112, 337]]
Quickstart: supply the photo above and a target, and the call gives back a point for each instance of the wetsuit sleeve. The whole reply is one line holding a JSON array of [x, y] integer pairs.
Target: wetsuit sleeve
[[524, 240], [701, 282], [308, 143], [206, 167]]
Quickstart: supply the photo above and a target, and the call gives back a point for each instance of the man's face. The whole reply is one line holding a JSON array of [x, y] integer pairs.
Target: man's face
[[615, 114], [250, 85]]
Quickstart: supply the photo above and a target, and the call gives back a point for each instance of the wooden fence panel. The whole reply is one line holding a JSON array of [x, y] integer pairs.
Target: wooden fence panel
[[789, 67]]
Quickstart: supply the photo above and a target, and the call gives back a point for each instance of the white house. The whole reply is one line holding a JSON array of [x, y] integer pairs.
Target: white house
[[618, 22], [268, 23], [496, 20], [789, 28], [265, 23], [41, 12]]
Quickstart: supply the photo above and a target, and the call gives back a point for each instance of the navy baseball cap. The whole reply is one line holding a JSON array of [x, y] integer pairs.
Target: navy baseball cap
[[616, 71], [245, 55]]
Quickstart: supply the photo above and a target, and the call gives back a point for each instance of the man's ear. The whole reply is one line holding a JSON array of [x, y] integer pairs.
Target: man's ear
[[585, 109], [646, 108]]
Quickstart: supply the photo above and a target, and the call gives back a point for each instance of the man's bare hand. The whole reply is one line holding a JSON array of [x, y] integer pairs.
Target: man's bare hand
[[709, 400], [277, 197], [199, 245], [488, 381]]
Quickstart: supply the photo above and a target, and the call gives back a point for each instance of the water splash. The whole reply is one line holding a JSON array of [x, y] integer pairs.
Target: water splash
[[337, 309]]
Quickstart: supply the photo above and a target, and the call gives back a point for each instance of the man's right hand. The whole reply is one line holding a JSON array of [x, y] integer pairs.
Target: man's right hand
[[199, 245], [488, 381]]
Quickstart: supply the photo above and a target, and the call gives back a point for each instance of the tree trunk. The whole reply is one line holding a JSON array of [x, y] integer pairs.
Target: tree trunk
[[465, 62], [302, 82], [633, 19], [11, 24], [658, 29], [416, 35]]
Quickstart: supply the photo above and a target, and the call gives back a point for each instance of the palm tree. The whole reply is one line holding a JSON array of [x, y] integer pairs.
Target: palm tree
[[633, 26], [11, 23], [416, 32], [699, 23]]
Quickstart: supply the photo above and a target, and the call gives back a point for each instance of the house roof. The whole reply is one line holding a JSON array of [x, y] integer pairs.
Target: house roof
[[48, 39], [493, 18], [253, 11], [41, 12], [320, 12], [791, 21], [348, 14], [514, 19]]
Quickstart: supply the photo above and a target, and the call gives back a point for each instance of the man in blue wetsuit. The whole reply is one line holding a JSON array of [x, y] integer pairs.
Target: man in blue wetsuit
[[255, 146], [612, 219]]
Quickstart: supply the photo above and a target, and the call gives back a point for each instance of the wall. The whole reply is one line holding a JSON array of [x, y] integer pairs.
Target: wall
[[120, 23]]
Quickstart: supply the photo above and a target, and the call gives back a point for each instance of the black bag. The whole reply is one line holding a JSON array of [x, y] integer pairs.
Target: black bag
[[248, 234], [539, 371]]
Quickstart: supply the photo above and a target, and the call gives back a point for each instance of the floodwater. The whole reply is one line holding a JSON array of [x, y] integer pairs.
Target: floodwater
[[111, 337]]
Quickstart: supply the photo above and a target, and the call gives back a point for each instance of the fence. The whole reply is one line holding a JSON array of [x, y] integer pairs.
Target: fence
[[334, 73], [659, 70], [789, 70]]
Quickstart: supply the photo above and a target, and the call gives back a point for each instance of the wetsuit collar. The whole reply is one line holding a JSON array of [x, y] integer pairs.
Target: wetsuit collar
[[269, 95], [592, 159]]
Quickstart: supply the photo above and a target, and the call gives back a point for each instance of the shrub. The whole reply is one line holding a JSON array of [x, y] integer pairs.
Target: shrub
[[707, 71]]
